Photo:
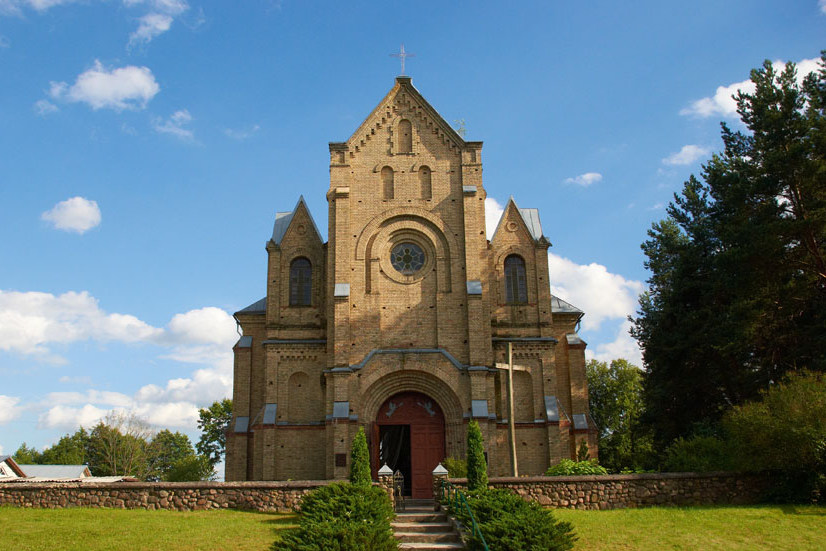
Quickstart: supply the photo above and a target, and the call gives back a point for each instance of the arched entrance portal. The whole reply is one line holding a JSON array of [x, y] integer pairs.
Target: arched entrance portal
[[409, 435]]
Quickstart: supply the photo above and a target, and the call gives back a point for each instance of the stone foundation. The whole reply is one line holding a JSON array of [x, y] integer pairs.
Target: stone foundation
[[635, 490]]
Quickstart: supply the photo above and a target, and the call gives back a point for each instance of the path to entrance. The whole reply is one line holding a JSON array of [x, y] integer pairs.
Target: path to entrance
[[420, 527], [409, 436]]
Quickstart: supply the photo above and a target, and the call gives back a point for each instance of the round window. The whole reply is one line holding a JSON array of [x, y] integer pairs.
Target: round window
[[407, 258]]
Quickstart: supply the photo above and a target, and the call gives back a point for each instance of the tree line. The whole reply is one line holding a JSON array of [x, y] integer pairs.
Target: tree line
[[123, 444]]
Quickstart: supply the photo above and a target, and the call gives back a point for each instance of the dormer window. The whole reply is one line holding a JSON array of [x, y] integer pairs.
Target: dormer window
[[301, 286], [515, 280]]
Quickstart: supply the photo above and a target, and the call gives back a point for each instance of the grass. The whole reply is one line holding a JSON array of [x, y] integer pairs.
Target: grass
[[139, 530], [784, 527]]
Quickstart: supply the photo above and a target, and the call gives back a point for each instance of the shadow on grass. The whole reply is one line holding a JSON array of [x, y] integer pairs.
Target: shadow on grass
[[812, 511]]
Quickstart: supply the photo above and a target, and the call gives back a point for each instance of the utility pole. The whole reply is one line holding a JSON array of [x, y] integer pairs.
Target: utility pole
[[511, 421]]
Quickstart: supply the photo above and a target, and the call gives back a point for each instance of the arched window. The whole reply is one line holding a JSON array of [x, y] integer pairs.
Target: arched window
[[515, 281], [387, 182], [405, 136], [301, 282], [424, 182]]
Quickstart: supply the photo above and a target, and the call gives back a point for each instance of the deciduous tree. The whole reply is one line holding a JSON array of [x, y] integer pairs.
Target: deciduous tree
[[212, 422]]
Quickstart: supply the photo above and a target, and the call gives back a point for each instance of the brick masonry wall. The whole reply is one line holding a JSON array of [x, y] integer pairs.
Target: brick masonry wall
[[636, 490]]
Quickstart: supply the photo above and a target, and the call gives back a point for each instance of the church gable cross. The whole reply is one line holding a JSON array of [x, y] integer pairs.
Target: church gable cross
[[402, 55]]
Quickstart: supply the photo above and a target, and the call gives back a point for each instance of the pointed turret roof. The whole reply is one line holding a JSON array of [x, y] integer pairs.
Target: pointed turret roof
[[284, 219]]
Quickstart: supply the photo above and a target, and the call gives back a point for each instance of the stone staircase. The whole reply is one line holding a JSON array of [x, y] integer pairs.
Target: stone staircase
[[423, 528]]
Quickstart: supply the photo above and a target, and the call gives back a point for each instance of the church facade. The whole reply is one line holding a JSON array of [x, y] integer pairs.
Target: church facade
[[401, 321]]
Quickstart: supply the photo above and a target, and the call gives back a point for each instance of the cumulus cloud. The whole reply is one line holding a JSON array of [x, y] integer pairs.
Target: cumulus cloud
[[687, 155], [623, 346], [9, 410], [493, 212], [175, 125], [122, 88], [584, 180], [591, 287], [75, 215], [69, 418], [15, 7], [822, 4], [722, 102]]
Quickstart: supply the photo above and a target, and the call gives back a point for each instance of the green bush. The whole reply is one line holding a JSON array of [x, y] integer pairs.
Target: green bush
[[698, 454], [477, 468], [360, 460], [785, 433], [508, 522], [456, 468], [567, 467], [342, 517]]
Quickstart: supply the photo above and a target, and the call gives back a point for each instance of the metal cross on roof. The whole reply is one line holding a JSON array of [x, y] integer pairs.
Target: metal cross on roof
[[402, 54]]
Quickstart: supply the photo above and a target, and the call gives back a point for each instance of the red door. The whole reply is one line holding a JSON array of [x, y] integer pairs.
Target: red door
[[427, 436]]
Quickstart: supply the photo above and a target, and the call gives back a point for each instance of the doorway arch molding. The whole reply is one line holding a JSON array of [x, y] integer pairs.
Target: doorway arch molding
[[411, 381]]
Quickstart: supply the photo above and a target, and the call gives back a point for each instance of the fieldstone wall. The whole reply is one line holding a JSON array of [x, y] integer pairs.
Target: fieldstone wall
[[634, 490], [180, 496]]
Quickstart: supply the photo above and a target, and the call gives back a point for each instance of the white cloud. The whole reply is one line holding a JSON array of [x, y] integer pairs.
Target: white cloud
[[127, 87], [175, 125], [822, 4], [623, 346], [1, 450], [76, 215], [592, 288], [8, 408], [171, 7], [493, 212], [723, 104], [15, 7], [44, 107], [69, 418], [151, 25], [584, 180], [241, 134], [687, 155]]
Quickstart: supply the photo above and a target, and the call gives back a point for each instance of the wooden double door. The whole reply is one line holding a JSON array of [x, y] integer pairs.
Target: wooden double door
[[409, 436]]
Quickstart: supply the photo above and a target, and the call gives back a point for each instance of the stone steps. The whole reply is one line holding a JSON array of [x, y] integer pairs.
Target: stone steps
[[423, 528]]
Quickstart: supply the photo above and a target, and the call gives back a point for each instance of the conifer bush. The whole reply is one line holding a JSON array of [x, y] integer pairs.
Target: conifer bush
[[477, 468], [360, 460]]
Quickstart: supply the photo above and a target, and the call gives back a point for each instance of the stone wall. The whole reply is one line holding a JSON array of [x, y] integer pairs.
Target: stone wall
[[181, 496], [635, 490]]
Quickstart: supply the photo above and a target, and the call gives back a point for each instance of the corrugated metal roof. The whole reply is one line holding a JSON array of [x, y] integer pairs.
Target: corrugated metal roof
[[259, 306], [529, 216], [559, 306], [283, 219], [56, 471]]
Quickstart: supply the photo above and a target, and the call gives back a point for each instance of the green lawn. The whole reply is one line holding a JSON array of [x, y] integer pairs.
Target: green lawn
[[138, 530], [785, 527]]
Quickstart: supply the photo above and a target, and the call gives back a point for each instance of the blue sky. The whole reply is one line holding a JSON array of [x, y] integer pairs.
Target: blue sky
[[145, 146]]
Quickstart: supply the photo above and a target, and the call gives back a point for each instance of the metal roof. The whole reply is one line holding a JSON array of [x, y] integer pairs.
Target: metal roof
[[56, 471], [257, 307], [283, 219], [529, 216], [559, 306]]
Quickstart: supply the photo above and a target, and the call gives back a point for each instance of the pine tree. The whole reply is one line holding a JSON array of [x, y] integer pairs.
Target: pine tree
[[477, 468], [360, 460]]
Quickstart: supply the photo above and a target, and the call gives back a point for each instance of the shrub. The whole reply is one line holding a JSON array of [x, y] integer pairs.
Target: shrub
[[509, 522], [360, 460], [698, 454], [342, 517], [567, 467], [456, 468], [477, 468], [785, 433]]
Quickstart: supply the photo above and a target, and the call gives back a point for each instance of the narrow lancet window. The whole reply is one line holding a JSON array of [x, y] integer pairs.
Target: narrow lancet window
[[515, 281], [405, 136], [301, 286], [424, 182], [387, 182]]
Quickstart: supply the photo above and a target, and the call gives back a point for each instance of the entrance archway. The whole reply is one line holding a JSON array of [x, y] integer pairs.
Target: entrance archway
[[409, 435]]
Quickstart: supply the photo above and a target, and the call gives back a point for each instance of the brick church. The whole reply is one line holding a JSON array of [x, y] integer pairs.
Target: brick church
[[400, 322]]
